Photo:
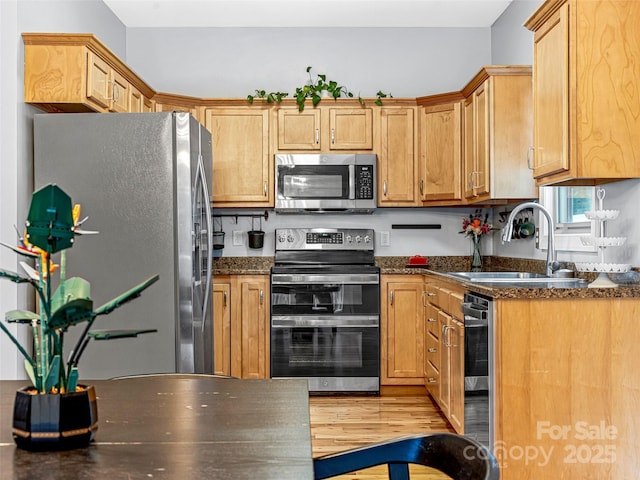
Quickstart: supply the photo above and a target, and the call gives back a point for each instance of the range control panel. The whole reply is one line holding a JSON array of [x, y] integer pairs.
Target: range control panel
[[324, 238]]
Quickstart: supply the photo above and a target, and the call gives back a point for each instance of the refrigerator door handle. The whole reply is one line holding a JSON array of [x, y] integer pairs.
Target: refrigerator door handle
[[207, 203]]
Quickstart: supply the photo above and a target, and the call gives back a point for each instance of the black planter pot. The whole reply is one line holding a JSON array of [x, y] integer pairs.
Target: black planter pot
[[54, 421]]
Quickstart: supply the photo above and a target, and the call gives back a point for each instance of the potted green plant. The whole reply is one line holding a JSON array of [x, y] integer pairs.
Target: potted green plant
[[56, 411], [316, 89]]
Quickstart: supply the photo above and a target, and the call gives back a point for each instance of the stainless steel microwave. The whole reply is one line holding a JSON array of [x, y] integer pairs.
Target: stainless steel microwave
[[325, 183]]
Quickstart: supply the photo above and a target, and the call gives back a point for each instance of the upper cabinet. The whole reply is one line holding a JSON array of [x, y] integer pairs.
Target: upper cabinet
[[243, 173], [397, 163], [325, 128], [440, 152], [497, 135], [76, 73], [586, 91]]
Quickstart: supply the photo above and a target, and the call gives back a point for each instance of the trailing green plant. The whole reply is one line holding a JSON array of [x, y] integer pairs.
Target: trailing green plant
[[315, 89], [51, 226]]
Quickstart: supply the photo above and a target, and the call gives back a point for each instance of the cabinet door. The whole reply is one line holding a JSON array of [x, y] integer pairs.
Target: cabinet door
[[479, 175], [119, 93], [444, 397], [551, 95], [398, 170], [440, 154], [222, 328], [469, 153], [456, 370], [299, 130], [98, 80], [404, 334], [136, 100], [350, 129], [242, 170], [252, 292]]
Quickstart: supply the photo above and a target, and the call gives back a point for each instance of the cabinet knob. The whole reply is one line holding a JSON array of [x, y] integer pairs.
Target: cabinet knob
[[432, 380], [432, 350]]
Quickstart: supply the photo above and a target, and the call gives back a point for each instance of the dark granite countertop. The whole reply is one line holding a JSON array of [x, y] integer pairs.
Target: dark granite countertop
[[629, 288]]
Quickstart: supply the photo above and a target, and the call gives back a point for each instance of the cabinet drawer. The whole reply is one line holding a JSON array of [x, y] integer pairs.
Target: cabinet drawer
[[443, 298], [431, 379], [432, 321], [438, 297], [455, 305], [433, 350]]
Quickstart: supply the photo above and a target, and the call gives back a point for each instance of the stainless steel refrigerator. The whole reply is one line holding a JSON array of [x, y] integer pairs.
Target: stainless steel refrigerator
[[143, 180]]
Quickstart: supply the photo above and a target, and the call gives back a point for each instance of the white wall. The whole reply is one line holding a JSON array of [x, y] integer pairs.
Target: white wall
[[426, 242], [234, 62]]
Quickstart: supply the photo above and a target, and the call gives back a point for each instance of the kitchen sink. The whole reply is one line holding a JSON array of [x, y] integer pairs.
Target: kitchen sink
[[497, 275], [513, 278]]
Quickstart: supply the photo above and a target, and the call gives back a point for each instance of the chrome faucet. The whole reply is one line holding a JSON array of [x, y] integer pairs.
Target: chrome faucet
[[507, 233]]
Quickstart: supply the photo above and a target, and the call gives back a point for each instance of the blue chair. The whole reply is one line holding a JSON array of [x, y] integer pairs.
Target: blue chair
[[458, 456]]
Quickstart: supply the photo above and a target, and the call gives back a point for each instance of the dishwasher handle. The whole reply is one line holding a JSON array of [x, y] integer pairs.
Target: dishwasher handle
[[474, 310]]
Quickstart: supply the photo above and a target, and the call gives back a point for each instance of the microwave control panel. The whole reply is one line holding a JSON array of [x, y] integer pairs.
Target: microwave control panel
[[364, 182]]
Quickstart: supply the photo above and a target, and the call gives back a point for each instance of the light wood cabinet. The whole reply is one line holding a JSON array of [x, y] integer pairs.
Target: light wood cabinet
[[432, 353], [241, 325], [497, 135], [325, 129], [586, 92], [251, 315], [567, 383], [397, 162], [76, 73], [444, 320], [222, 325], [138, 102], [440, 152], [105, 86], [243, 172], [402, 330], [455, 345]]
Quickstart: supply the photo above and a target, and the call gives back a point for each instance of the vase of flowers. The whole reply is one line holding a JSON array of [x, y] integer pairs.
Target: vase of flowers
[[475, 226], [57, 412]]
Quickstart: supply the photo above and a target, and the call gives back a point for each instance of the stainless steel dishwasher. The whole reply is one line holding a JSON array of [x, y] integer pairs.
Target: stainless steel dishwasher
[[478, 368]]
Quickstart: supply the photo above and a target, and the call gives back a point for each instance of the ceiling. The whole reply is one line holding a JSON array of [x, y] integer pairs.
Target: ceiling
[[307, 13]]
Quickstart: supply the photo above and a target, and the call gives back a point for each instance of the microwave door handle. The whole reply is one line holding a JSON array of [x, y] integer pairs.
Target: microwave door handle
[[352, 182]]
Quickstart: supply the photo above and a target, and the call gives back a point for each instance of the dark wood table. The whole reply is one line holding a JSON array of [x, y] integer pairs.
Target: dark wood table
[[178, 427]]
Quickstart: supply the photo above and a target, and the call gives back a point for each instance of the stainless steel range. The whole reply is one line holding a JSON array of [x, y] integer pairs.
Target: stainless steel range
[[325, 309]]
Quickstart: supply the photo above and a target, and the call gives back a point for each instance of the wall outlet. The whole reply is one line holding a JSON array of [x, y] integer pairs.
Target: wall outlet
[[384, 239], [238, 241]]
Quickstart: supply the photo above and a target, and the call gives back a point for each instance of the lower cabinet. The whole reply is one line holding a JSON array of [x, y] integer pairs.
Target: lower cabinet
[[402, 330], [444, 365], [241, 325]]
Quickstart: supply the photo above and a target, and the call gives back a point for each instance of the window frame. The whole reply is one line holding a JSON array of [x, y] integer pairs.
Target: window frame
[[566, 238]]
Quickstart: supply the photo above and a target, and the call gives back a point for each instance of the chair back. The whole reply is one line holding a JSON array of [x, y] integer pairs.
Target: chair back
[[458, 456]]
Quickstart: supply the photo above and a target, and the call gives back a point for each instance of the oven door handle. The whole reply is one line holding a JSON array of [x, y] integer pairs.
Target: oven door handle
[[289, 321], [298, 279]]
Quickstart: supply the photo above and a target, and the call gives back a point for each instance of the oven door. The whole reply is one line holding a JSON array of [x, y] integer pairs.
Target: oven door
[[325, 346], [316, 294]]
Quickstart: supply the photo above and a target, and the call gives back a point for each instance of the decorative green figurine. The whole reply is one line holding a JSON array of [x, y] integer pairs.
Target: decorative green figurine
[[51, 227]]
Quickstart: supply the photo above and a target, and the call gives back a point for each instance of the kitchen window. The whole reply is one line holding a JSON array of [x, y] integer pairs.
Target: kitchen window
[[567, 206]]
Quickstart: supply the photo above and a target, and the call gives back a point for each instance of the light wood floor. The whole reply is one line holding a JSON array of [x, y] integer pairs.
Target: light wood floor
[[340, 423]]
